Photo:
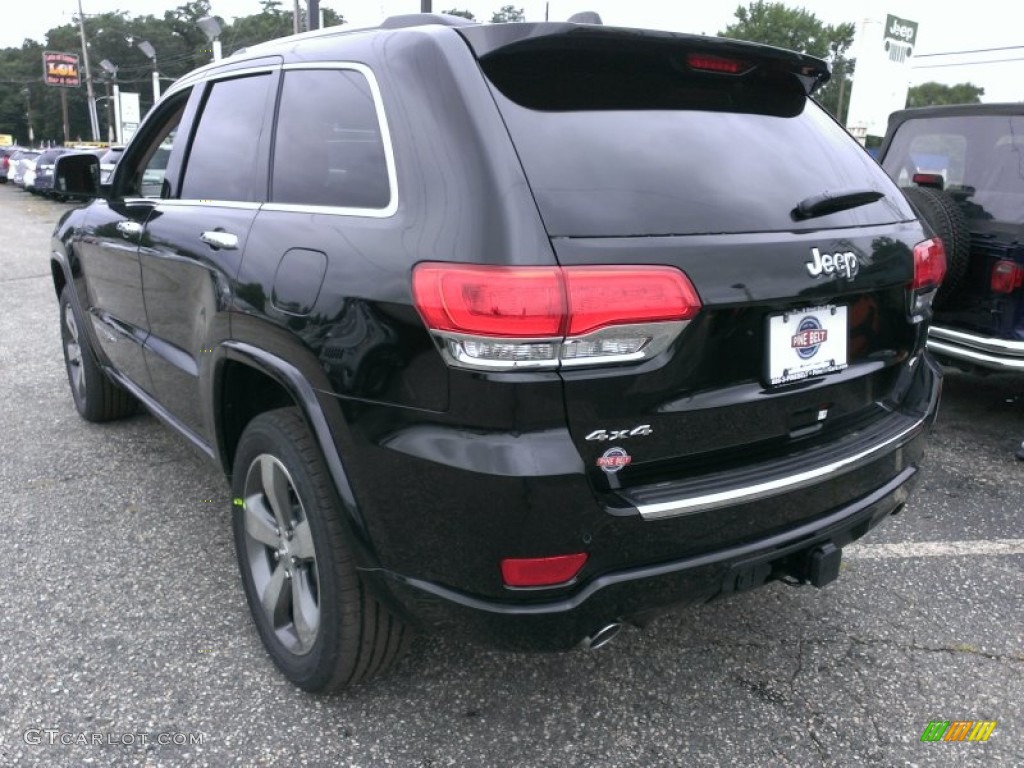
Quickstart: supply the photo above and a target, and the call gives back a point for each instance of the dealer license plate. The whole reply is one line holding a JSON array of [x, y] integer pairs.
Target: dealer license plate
[[807, 342]]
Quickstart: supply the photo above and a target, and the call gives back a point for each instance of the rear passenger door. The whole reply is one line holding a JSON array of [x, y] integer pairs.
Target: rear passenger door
[[194, 239]]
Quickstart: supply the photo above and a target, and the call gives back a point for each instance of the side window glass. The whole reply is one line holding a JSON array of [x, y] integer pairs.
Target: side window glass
[[222, 163], [153, 174], [149, 165], [328, 149]]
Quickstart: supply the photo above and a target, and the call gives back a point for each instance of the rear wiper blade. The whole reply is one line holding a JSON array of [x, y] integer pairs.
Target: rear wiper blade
[[833, 202]]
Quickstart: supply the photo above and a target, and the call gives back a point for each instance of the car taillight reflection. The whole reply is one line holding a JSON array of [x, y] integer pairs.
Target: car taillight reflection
[[1007, 276]]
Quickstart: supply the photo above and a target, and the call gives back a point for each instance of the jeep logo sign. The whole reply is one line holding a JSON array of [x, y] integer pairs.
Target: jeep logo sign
[[844, 264], [900, 30]]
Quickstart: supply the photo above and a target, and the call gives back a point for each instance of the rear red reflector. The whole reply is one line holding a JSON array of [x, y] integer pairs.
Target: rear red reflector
[[709, 63], [544, 302], [541, 571], [929, 264], [1007, 276]]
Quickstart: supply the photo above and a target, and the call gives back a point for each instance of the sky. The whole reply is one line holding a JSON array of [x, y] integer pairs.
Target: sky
[[943, 27]]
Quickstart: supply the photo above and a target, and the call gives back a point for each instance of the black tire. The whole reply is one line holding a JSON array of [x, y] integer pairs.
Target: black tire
[[96, 397], [295, 548], [949, 223]]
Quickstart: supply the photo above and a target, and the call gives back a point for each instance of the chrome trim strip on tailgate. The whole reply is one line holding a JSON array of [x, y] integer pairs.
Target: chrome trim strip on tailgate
[[708, 501]]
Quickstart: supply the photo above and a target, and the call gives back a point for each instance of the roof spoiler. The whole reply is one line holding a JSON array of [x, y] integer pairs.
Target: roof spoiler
[[422, 19]]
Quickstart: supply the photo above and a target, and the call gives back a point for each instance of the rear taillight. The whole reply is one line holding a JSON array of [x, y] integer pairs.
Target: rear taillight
[[929, 269], [495, 318], [929, 264], [1007, 276]]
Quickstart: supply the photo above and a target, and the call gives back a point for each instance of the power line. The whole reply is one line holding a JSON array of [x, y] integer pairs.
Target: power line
[[967, 63], [977, 50]]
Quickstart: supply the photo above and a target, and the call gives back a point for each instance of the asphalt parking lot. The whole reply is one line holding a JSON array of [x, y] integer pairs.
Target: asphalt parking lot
[[125, 640]]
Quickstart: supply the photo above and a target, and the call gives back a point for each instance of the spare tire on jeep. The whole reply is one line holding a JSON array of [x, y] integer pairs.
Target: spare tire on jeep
[[949, 223]]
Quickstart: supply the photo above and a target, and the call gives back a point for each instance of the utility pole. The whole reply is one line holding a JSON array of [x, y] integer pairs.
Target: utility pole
[[313, 11], [296, 17], [93, 120], [425, 6]]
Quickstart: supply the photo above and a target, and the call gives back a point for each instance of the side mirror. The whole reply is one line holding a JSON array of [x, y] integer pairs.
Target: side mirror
[[77, 175]]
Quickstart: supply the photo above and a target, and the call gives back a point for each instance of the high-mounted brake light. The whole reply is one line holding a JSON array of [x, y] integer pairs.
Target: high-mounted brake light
[[499, 318], [1007, 276], [933, 180], [707, 62], [929, 269], [541, 571]]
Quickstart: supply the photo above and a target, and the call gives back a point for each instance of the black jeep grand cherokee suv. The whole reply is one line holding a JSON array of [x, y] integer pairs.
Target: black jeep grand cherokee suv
[[524, 330]]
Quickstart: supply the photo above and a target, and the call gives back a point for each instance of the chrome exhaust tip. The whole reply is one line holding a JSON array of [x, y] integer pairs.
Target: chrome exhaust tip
[[603, 636]]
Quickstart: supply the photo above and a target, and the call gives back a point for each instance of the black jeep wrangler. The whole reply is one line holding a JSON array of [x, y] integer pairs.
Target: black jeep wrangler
[[521, 330], [962, 167]]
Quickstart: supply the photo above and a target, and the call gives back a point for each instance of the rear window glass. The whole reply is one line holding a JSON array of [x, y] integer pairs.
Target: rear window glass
[[980, 157], [620, 138]]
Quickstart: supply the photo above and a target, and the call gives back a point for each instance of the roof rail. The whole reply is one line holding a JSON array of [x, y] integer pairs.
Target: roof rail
[[420, 19]]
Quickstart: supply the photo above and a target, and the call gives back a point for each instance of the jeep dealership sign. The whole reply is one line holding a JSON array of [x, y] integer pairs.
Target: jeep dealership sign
[[881, 80]]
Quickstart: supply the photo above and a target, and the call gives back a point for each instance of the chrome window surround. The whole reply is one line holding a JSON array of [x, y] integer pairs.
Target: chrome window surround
[[385, 134]]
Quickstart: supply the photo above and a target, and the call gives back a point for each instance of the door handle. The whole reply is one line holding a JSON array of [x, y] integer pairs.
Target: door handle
[[129, 228], [219, 239]]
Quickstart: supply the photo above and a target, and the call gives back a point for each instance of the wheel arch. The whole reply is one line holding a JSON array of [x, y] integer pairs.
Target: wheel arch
[[271, 382]]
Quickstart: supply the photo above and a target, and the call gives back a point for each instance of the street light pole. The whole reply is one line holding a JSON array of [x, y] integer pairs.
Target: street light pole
[[111, 69], [111, 136], [28, 114], [147, 48], [212, 29], [93, 120]]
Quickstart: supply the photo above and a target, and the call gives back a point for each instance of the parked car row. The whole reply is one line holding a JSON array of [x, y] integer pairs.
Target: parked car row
[[32, 169]]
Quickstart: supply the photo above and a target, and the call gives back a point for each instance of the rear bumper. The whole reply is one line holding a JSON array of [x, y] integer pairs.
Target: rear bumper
[[975, 349], [863, 486], [637, 592]]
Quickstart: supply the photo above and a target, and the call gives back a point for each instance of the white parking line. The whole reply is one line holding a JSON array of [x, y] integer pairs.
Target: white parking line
[[935, 549]]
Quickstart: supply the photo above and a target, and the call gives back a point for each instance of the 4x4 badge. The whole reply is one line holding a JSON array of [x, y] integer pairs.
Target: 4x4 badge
[[620, 434], [844, 264]]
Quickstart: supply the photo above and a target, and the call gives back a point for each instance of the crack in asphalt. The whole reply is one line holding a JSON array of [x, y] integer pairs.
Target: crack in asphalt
[[24, 277], [962, 649]]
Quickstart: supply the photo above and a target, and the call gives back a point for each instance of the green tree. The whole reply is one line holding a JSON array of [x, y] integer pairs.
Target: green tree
[[933, 94], [800, 30], [463, 14], [508, 13], [180, 47]]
